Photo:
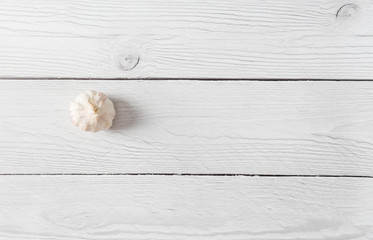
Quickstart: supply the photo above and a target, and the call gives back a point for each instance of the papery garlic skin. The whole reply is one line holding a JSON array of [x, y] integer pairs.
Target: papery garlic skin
[[92, 111]]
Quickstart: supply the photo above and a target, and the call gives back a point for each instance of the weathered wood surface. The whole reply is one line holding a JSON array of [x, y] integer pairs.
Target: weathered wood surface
[[191, 127], [330, 39], [208, 208]]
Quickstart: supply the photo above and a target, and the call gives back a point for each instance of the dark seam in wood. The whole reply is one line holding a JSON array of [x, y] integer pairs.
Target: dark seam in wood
[[189, 174]]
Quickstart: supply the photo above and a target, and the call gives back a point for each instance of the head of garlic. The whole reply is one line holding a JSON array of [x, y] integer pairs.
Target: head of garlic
[[92, 111]]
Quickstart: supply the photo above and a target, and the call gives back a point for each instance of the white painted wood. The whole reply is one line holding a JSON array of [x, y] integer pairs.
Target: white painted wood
[[187, 38], [208, 208], [191, 127]]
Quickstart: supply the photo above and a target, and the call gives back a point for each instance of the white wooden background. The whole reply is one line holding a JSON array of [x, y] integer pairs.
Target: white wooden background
[[326, 39], [218, 135]]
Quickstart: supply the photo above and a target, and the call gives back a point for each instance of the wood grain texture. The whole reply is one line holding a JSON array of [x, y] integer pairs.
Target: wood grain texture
[[191, 127], [329, 39], [208, 208]]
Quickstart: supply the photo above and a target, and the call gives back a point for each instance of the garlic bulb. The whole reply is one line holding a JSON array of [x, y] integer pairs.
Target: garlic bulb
[[92, 111]]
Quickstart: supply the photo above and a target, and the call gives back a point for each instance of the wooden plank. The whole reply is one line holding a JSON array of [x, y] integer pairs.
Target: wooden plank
[[159, 207], [191, 127], [329, 39]]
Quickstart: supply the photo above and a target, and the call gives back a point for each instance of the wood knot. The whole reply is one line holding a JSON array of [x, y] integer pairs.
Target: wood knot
[[347, 11], [128, 61]]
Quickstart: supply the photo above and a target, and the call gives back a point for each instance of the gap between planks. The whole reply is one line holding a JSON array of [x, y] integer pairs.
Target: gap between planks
[[188, 174]]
